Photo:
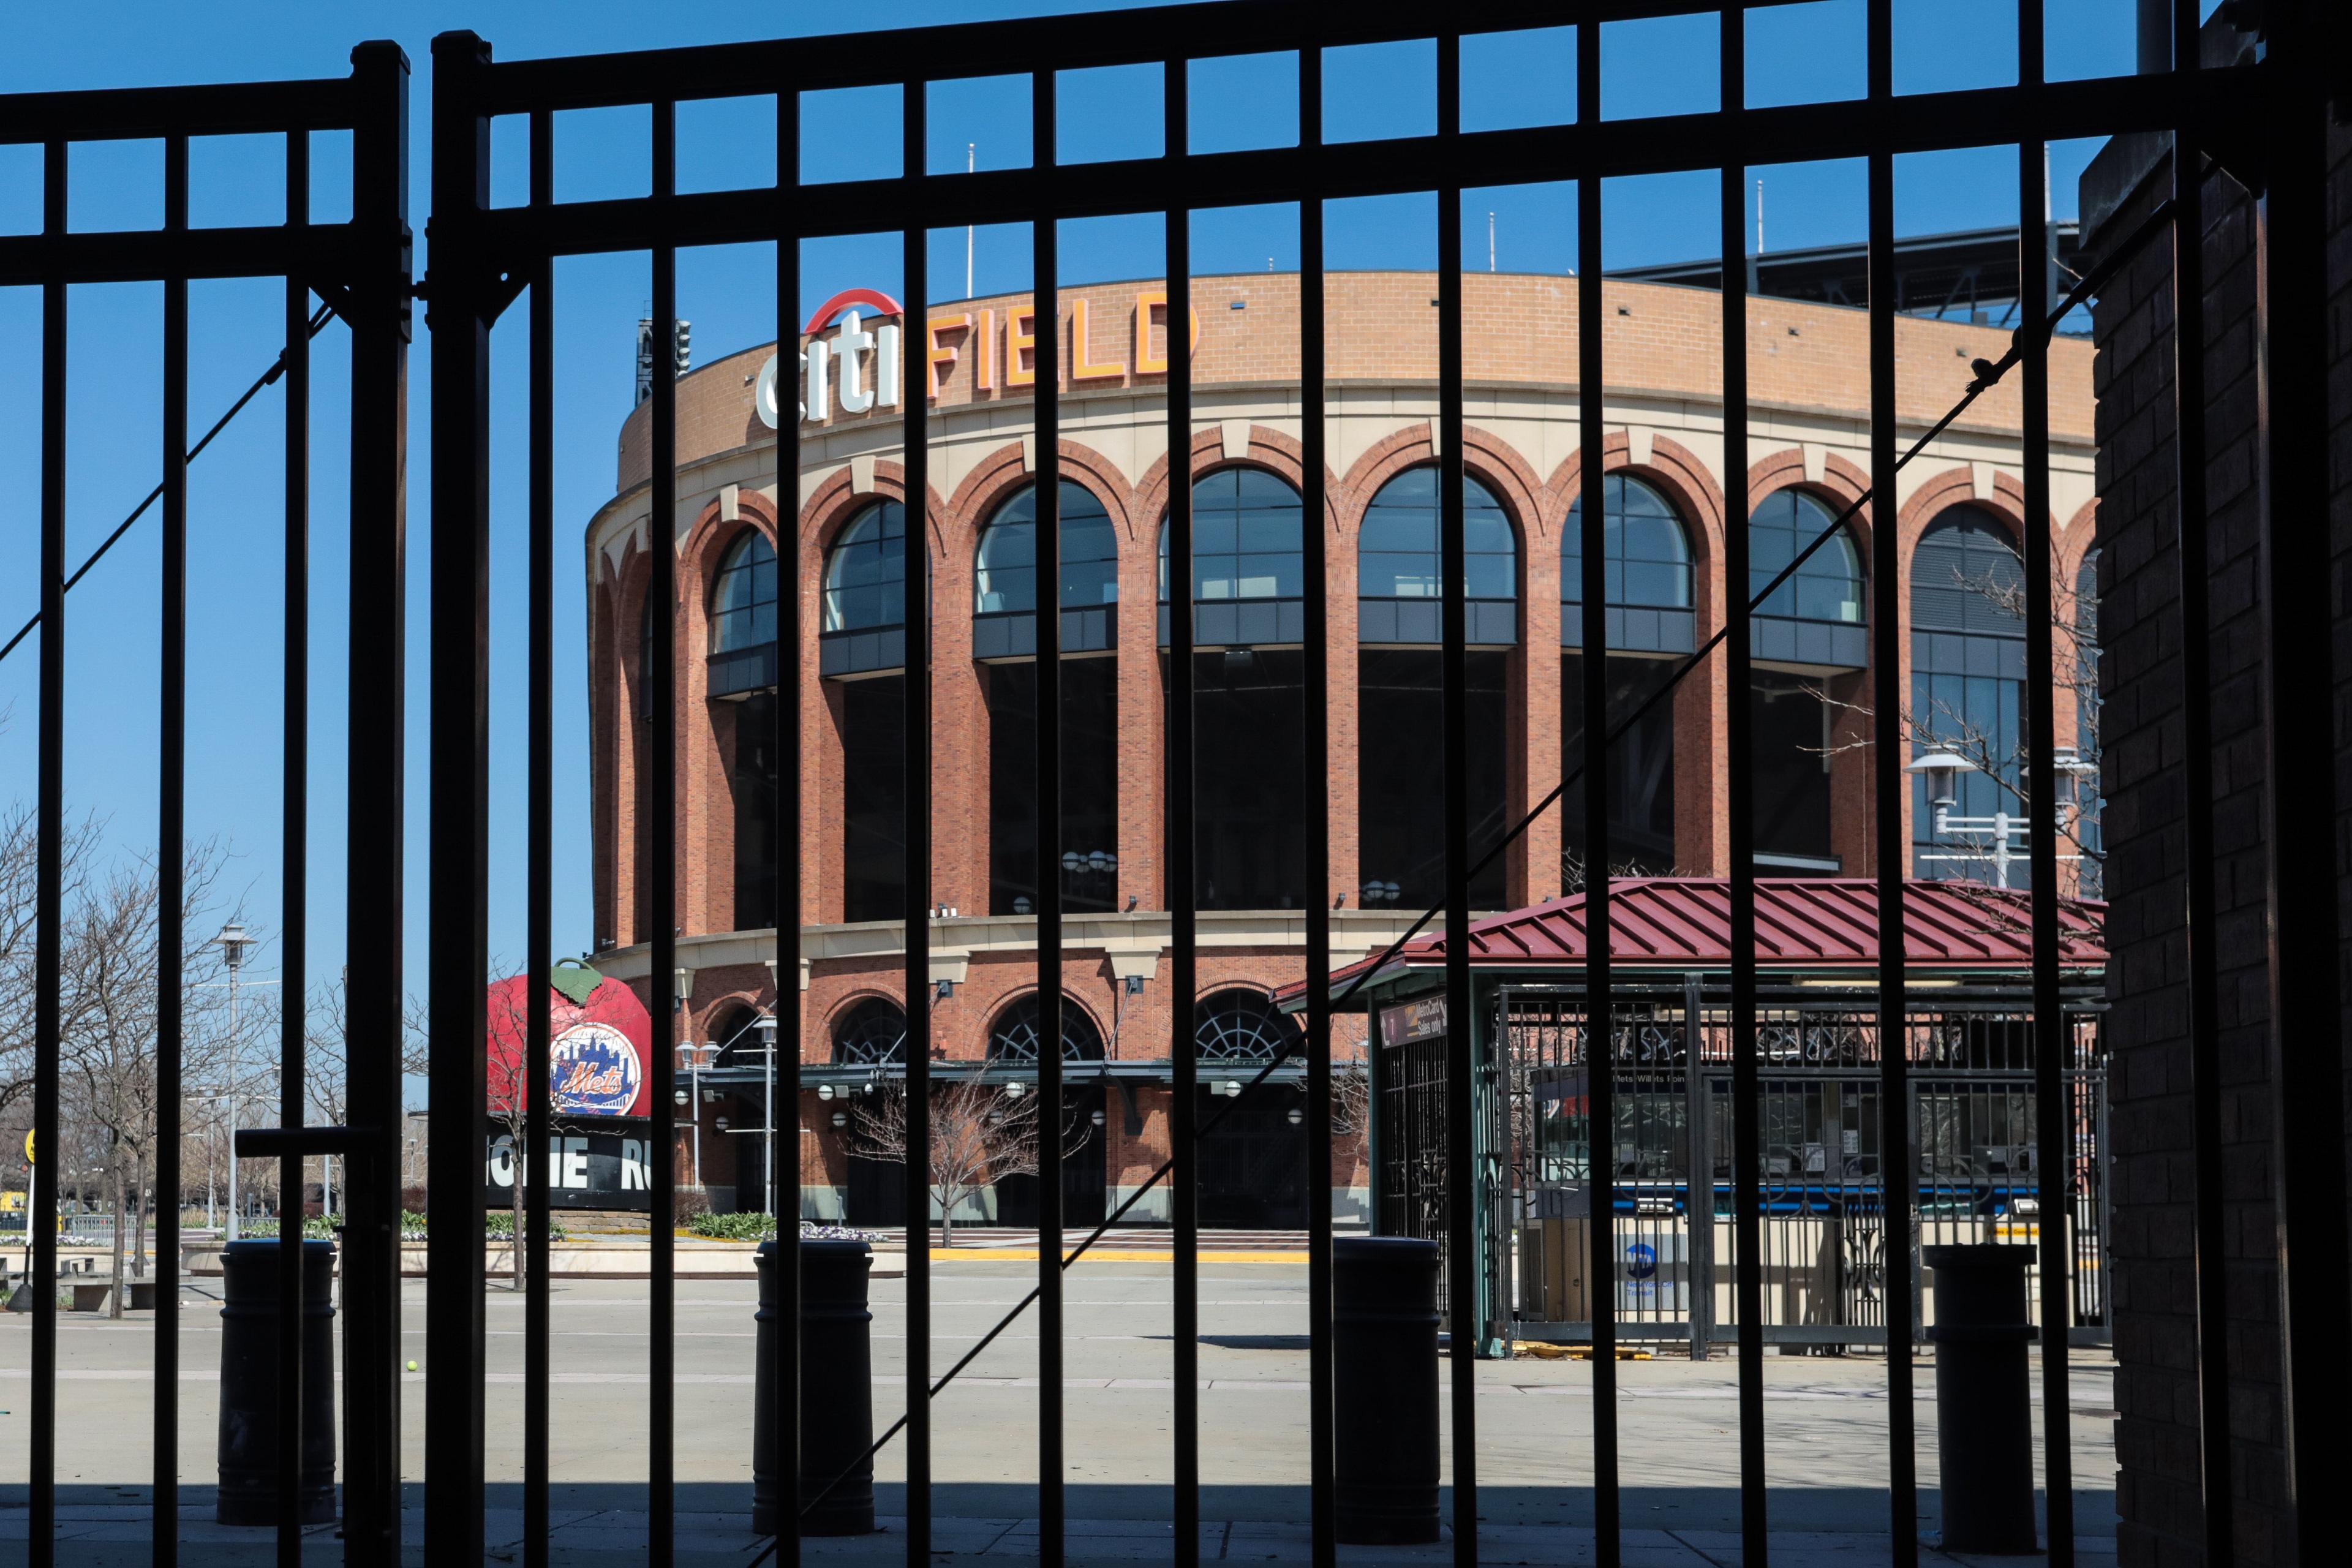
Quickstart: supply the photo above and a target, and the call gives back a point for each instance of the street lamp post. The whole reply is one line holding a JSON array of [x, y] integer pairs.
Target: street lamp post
[[234, 944], [694, 1057], [2005, 836], [768, 1116]]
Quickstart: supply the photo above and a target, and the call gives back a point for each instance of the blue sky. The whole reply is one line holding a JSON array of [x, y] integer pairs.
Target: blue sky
[[1801, 53]]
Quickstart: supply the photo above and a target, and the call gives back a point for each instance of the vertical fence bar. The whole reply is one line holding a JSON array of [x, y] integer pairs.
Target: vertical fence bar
[[673, 1013], [374, 994], [1183, 957], [1601, 1183], [171, 858], [531, 1161], [49, 892], [914, 452], [2200, 911], [2054, 1123], [1740, 811], [1462, 1254], [460, 783], [293, 968], [1045, 262], [1892, 847], [2306, 1057], [1316, 682], [787, 870]]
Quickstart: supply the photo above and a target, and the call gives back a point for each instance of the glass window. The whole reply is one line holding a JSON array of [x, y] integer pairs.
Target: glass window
[[1400, 774], [743, 602], [872, 715], [865, 574], [1828, 587], [1240, 1027], [1967, 691], [1397, 556], [1005, 582], [1640, 762], [753, 781], [1246, 542], [1647, 556], [1089, 852], [871, 1033], [1015, 1035]]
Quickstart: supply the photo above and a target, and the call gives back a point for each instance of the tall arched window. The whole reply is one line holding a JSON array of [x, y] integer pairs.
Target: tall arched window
[[863, 649], [1248, 691], [1646, 564], [1004, 641], [743, 598], [871, 1033], [1968, 685], [865, 592], [1650, 619], [1808, 641], [1015, 1035], [1004, 577], [1397, 564], [1251, 1161], [1400, 778]]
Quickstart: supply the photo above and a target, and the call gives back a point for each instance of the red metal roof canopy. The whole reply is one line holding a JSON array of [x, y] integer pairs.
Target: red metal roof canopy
[[1802, 923]]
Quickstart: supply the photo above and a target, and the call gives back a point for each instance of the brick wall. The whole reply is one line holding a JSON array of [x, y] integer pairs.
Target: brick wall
[[2152, 1168]]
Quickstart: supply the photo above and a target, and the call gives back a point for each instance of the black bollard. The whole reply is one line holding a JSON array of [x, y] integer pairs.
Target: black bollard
[[1384, 1389], [1984, 1424], [248, 1384], [836, 1392]]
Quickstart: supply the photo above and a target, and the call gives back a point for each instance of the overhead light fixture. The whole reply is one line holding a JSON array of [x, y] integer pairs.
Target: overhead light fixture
[[841, 1119], [825, 1091]]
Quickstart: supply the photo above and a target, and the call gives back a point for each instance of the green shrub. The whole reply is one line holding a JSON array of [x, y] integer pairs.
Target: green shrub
[[499, 1224], [734, 1226]]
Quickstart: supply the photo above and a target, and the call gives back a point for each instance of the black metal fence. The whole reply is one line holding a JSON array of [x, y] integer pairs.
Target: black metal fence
[[1969, 1125], [486, 257]]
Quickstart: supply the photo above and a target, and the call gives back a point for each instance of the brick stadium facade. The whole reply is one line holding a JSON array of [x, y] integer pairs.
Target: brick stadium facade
[[1810, 427]]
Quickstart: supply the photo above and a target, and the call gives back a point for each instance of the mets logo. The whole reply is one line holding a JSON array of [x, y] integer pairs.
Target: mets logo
[[594, 1070]]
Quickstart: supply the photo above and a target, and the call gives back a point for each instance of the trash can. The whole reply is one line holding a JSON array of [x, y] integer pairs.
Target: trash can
[[1984, 1422], [250, 1335], [837, 1409], [1384, 1389]]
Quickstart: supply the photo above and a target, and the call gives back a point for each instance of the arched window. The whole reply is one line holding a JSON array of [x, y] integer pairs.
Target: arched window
[[1248, 685], [865, 615], [1967, 686], [1653, 592], [1646, 562], [743, 599], [1807, 633], [1400, 769], [1397, 564], [1247, 578], [1004, 640], [1239, 1026], [871, 1033], [1004, 577], [1014, 1037], [1825, 592]]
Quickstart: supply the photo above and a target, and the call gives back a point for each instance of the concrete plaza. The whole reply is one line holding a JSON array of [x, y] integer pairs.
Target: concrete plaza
[[1827, 1452]]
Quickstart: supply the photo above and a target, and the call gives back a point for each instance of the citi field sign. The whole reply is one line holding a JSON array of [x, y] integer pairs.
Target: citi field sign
[[859, 369]]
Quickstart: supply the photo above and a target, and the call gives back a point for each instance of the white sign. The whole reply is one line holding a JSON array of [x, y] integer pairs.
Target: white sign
[[858, 369]]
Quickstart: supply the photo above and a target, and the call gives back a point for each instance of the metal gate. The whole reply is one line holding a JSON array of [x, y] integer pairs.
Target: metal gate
[[484, 258], [357, 272], [1822, 1175]]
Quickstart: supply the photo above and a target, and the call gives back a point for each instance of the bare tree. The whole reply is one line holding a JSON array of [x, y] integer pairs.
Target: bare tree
[[981, 1134], [110, 984], [2074, 615], [326, 1053], [19, 887]]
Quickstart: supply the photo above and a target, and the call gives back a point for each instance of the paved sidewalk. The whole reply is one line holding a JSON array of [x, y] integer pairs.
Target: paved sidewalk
[[116, 1536]]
